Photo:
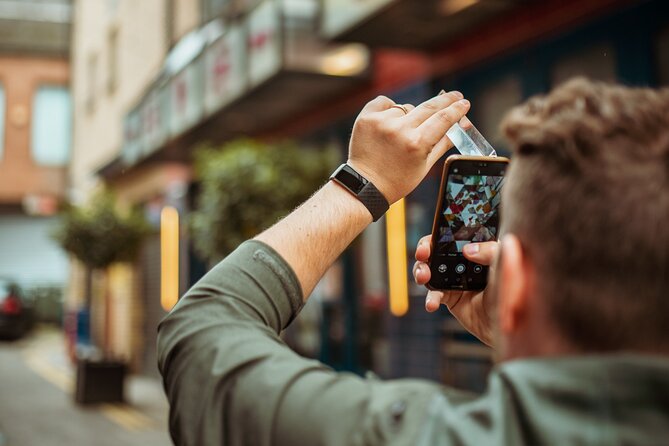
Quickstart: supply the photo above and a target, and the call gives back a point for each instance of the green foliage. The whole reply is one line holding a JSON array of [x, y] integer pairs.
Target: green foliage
[[246, 186], [98, 235]]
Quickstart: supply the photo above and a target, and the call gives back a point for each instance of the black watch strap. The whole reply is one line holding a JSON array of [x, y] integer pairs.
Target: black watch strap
[[363, 189]]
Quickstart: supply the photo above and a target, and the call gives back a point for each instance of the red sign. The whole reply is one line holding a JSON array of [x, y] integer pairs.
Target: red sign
[[225, 70]]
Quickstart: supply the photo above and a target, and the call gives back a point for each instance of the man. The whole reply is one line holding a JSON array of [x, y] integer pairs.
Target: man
[[578, 308]]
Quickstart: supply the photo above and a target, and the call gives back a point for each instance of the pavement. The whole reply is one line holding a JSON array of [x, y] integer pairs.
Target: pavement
[[37, 405]]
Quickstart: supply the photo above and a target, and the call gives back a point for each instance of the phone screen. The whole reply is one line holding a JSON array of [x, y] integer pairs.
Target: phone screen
[[469, 213]]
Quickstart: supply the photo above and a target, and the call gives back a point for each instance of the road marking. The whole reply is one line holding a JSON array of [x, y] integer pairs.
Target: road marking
[[49, 372], [129, 418], [125, 416]]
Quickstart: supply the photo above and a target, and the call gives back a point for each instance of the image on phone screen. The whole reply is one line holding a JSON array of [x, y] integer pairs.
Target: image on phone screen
[[469, 213]]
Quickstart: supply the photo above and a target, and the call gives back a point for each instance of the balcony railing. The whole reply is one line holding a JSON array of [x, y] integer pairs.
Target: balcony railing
[[242, 76]]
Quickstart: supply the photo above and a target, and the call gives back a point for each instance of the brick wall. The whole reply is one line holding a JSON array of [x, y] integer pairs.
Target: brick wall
[[20, 175]]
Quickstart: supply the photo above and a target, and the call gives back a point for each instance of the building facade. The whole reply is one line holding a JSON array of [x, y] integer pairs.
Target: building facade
[[35, 140], [114, 56], [118, 49]]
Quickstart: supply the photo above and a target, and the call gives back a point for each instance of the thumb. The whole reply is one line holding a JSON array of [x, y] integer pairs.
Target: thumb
[[483, 253]]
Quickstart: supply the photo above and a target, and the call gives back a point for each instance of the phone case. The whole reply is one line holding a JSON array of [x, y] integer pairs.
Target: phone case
[[444, 175]]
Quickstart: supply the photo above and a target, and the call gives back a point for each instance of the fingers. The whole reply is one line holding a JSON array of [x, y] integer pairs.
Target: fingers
[[423, 248], [483, 253], [432, 106], [433, 301], [439, 150], [421, 273], [378, 104], [465, 123], [434, 128], [449, 298], [397, 110], [385, 104]]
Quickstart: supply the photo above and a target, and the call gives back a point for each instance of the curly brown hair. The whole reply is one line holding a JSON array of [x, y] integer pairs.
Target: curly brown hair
[[588, 196]]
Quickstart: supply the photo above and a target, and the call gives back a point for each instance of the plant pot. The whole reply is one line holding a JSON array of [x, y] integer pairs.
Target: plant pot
[[99, 381]]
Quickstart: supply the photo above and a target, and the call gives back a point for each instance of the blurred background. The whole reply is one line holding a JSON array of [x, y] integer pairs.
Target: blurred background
[[141, 141]]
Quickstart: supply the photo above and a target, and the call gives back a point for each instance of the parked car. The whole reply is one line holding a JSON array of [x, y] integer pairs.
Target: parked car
[[17, 315]]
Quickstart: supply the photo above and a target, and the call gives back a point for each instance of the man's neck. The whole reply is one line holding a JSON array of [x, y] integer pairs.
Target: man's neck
[[536, 343]]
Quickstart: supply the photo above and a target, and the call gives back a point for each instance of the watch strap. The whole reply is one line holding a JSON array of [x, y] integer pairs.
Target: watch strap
[[363, 189], [374, 201]]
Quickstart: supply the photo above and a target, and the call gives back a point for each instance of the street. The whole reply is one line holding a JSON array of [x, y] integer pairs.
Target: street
[[37, 407]]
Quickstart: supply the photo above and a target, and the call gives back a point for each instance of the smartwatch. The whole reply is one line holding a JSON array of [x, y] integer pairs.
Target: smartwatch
[[362, 189]]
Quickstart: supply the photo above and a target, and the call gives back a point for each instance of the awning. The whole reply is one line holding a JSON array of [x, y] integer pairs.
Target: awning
[[411, 24]]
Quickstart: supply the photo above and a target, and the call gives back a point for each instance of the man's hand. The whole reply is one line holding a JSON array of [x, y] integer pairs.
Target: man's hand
[[473, 309], [395, 150]]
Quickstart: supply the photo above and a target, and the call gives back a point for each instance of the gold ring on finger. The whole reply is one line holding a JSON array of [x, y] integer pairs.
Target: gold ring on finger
[[401, 107]]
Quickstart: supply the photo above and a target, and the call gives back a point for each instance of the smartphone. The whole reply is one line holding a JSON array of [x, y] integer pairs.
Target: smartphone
[[468, 210]]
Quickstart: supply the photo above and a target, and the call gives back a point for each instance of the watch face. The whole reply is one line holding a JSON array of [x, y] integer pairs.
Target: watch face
[[363, 189], [351, 179]]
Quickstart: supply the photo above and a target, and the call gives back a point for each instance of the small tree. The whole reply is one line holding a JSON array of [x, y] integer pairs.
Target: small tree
[[246, 186], [98, 235]]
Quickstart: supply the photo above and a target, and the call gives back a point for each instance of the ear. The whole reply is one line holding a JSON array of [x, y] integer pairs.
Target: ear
[[513, 292]]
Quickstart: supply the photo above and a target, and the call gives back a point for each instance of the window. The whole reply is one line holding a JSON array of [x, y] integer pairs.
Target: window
[[662, 58], [596, 62], [492, 104], [51, 126], [112, 60], [2, 120]]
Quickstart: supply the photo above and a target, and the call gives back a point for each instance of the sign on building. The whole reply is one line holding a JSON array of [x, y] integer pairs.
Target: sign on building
[[186, 91], [225, 69], [264, 42]]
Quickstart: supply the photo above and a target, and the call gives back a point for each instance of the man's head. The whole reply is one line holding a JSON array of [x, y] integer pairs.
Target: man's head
[[586, 264]]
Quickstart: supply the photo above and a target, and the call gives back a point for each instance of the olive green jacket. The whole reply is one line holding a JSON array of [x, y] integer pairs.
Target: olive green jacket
[[231, 380]]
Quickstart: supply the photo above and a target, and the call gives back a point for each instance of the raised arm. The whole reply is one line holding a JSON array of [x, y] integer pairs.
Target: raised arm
[[229, 377], [394, 151]]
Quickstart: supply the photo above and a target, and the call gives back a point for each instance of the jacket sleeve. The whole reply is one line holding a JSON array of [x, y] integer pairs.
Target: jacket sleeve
[[231, 380]]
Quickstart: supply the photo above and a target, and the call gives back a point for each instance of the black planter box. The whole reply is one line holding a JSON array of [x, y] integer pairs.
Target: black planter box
[[99, 382]]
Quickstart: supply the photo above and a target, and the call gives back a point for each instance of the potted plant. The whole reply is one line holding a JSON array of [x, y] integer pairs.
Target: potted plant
[[98, 235]]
